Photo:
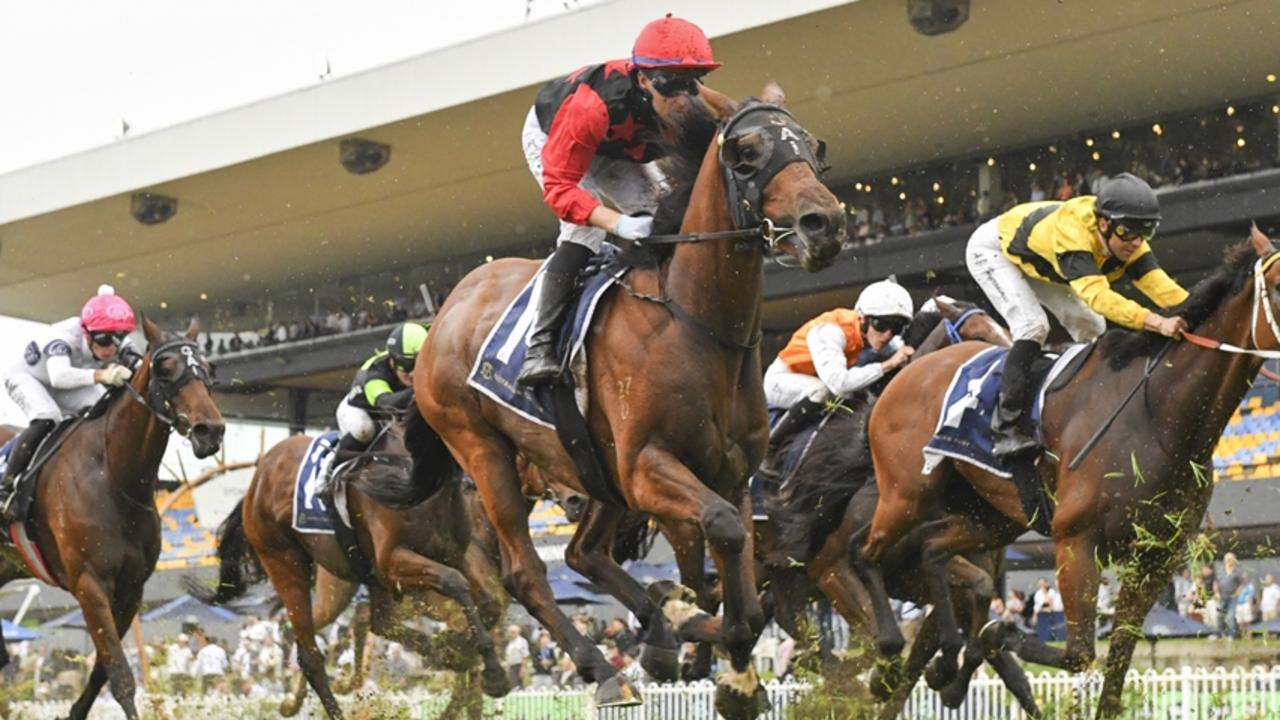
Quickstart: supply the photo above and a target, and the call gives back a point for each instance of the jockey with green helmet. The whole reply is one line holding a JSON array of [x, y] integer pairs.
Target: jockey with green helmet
[[590, 135], [1063, 257], [383, 385], [64, 369]]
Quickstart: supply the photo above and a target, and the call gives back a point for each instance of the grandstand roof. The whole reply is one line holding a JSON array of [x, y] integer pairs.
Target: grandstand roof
[[264, 203]]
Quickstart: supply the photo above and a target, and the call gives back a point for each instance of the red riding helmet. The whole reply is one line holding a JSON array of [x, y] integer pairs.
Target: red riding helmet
[[107, 312], [670, 43]]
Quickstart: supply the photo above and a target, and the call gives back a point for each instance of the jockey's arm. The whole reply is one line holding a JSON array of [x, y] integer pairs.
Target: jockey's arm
[[62, 376], [826, 347], [1151, 280], [1096, 292], [576, 132]]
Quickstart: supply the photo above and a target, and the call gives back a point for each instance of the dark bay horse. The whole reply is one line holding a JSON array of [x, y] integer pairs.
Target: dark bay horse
[[422, 549], [676, 404], [590, 553], [1133, 502], [333, 594], [94, 517]]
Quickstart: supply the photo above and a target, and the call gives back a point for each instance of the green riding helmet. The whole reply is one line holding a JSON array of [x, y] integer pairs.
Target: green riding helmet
[[404, 343]]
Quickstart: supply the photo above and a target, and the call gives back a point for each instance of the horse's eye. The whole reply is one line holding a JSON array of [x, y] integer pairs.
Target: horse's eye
[[747, 153]]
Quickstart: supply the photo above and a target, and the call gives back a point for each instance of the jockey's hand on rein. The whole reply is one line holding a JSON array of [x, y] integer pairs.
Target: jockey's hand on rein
[[1172, 327], [633, 227], [113, 375]]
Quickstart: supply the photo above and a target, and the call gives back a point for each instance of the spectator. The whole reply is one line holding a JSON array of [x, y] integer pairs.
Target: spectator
[[211, 662], [567, 672], [1229, 587], [1037, 191], [269, 657], [620, 634], [1048, 609], [544, 661], [1183, 591], [1106, 607], [243, 659], [177, 665], [1270, 605], [396, 668], [516, 653]]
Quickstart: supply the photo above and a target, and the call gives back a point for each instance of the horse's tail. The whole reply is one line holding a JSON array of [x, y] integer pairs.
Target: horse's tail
[[433, 468], [812, 503], [634, 537], [239, 566]]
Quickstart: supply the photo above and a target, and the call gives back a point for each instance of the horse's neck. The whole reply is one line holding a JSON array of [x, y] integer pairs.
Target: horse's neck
[[135, 441], [716, 283]]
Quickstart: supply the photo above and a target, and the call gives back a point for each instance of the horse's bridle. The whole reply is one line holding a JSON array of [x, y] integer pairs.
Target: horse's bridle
[[1261, 299], [161, 390], [784, 142], [953, 326]]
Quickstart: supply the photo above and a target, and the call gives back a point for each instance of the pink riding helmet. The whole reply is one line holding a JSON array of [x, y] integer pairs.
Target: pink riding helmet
[[107, 312]]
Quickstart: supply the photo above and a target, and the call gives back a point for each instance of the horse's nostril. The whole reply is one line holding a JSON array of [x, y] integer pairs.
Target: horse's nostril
[[814, 223]]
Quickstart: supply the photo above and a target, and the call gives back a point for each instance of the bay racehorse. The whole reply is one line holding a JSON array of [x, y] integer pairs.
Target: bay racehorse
[[334, 594], [414, 551], [596, 554], [676, 404], [1133, 501], [94, 516]]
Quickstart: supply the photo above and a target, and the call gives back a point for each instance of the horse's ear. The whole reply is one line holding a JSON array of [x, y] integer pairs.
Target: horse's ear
[[944, 306], [721, 106], [1261, 243], [193, 329], [151, 331], [773, 94]]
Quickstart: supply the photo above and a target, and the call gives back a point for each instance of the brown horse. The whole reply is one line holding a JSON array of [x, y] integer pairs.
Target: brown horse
[[677, 409], [1135, 499], [414, 551], [590, 554], [333, 594], [94, 517]]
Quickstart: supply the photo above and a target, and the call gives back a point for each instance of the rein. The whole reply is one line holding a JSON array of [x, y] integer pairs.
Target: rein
[[953, 327], [162, 391]]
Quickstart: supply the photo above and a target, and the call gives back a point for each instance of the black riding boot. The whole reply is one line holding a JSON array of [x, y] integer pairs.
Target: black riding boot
[[796, 419], [541, 365], [1011, 424], [19, 458]]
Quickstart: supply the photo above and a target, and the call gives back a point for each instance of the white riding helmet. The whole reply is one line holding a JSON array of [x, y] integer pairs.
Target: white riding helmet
[[885, 299]]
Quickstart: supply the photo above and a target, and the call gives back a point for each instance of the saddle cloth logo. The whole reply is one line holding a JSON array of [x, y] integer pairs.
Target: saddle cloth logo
[[310, 513], [964, 428], [500, 358]]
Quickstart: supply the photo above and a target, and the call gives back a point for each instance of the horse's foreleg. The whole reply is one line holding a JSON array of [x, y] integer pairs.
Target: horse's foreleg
[[403, 568], [589, 552], [866, 547], [661, 485], [103, 621], [903, 682], [525, 575], [333, 594], [1015, 679], [1133, 602], [486, 585], [691, 554], [289, 568]]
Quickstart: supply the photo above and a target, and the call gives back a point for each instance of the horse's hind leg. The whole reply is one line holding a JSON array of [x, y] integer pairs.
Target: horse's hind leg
[[332, 596], [590, 553], [403, 568], [289, 568], [524, 574]]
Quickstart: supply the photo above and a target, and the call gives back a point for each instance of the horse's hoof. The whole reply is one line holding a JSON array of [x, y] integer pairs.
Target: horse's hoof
[[662, 591], [617, 691], [954, 694], [991, 639], [289, 707], [662, 664], [495, 682], [940, 672], [732, 704], [695, 670], [885, 678]]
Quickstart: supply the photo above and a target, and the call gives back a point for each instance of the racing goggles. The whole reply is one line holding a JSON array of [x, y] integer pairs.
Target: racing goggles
[[1129, 229], [108, 339], [669, 84], [894, 325], [404, 366]]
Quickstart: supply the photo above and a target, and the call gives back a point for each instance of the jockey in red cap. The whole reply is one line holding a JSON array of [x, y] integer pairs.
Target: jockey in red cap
[[590, 135], [62, 371]]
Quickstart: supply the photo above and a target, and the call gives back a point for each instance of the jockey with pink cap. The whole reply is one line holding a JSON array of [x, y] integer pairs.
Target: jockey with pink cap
[[63, 370]]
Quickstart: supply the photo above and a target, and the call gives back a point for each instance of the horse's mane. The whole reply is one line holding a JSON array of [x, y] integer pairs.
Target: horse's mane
[[1120, 347], [811, 504], [683, 148], [921, 325]]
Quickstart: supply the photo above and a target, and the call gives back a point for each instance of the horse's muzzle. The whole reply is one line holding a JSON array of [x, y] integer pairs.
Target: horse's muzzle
[[823, 231], [206, 438]]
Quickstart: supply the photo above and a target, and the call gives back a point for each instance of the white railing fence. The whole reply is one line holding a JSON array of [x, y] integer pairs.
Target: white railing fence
[[1188, 694]]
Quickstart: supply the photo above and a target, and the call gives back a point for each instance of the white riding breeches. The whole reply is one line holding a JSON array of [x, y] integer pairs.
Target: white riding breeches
[[356, 422], [1023, 301], [631, 187], [784, 388], [39, 402]]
